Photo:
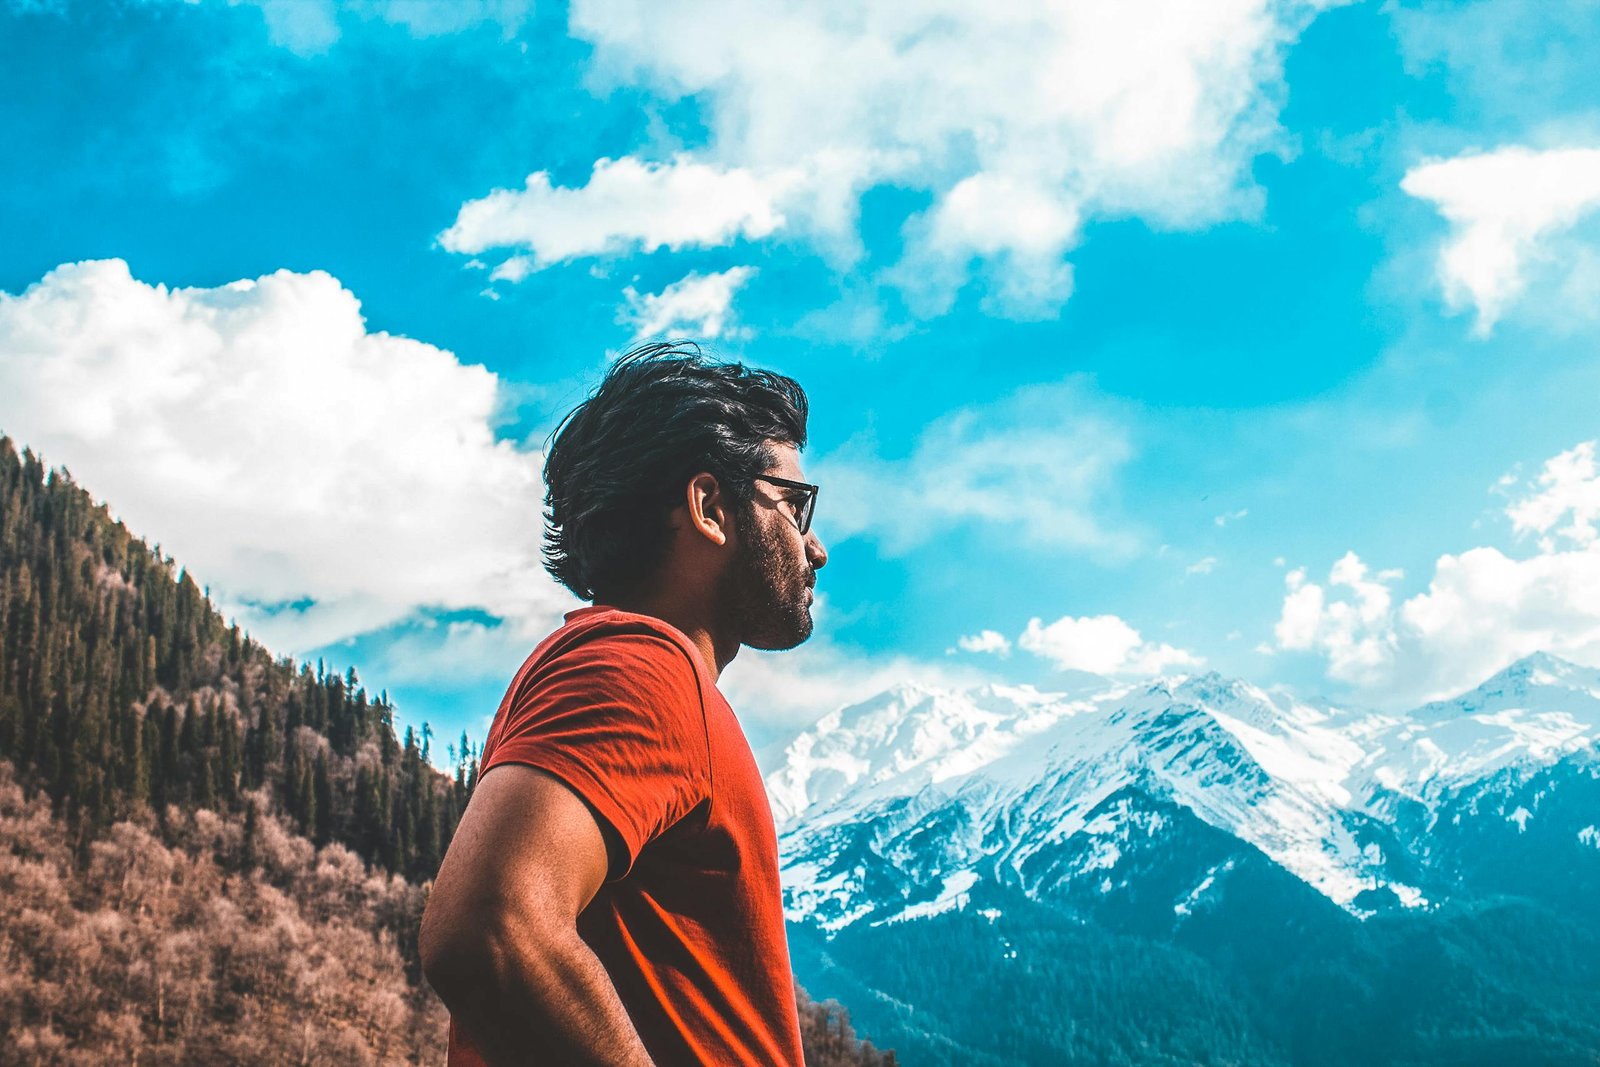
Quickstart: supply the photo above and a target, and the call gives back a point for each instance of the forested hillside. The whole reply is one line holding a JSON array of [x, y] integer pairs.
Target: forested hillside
[[122, 690], [206, 854]]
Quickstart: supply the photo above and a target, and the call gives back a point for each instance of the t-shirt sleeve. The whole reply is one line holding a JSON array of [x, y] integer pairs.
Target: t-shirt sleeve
[[617, 718]]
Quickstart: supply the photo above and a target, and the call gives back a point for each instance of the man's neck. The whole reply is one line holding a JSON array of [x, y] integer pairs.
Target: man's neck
[[691, 618]]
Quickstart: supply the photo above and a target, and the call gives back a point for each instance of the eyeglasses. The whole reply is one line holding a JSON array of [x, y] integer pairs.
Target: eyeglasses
[[804, 508]]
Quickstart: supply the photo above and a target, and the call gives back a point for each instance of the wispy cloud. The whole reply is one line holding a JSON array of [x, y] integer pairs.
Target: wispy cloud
[[312, 27], [1508, 210], [627, 206], [1039, 466], [699, 306], [1499, 58], [985, 641]]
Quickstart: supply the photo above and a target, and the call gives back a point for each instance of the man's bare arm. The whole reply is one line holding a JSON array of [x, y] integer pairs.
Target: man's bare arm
[[499, 937]]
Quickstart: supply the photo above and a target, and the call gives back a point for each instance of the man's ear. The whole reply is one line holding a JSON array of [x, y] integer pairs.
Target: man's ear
[[709, 513]]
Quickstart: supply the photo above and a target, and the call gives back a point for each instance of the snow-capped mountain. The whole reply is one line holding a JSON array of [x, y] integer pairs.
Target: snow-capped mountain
[[1531, 714], [915, 801]]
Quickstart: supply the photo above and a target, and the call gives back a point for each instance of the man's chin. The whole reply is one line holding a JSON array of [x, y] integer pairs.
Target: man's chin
[[781, 641]]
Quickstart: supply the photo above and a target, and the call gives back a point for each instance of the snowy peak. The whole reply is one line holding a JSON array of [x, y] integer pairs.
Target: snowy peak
[[900, 801], [1536, 711], [1537, 683], [906, 738]]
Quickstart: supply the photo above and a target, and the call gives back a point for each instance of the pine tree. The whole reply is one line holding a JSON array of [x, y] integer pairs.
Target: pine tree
[[323, 799]]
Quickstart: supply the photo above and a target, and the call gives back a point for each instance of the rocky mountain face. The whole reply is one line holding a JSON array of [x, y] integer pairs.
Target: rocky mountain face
[[1201, 814]]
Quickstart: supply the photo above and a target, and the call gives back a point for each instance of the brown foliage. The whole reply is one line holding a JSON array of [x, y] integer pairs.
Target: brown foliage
[[158, 954], [830, 1040]]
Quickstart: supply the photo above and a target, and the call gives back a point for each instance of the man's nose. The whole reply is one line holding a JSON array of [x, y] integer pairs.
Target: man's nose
[[815, 553]]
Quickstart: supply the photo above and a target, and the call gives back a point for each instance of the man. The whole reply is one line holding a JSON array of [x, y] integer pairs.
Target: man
[[611, 895]]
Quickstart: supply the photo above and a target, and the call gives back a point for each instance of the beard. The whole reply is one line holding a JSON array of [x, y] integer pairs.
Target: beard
[[766, 589]]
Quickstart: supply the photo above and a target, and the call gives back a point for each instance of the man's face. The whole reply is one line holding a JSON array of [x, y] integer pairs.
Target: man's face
[[767, 586]]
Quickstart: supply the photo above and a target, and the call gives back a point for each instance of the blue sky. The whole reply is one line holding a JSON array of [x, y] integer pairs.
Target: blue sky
[[1153, 337]]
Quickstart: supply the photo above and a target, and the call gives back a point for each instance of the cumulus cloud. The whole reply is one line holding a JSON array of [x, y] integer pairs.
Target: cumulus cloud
[[1355, 631], [699, 306], [1101, 644], [627, 205], [1508, 212], [988, 641], [1205, 565], [1482, 608], [324, 480], [1039, 466], [1022, 121]]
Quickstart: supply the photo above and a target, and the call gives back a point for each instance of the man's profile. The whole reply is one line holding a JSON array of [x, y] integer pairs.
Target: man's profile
[[611, 894]]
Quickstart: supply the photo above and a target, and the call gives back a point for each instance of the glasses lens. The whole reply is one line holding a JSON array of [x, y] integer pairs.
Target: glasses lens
[[807, 506]]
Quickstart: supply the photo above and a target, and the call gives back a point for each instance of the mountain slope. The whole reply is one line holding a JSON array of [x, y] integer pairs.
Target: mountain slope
[[960, 784], [1359, 888]]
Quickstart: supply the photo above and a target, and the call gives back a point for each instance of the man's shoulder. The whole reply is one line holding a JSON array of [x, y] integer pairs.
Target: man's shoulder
[[610, 634], [605, 670]]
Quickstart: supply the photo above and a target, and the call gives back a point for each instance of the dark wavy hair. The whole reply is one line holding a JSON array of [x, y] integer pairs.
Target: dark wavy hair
[[618, 463]]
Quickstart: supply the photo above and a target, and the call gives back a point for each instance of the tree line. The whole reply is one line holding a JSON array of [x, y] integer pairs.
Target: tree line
[[122, 690]]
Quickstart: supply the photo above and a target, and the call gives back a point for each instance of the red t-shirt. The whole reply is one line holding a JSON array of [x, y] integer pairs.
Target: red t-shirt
[[620, 707]]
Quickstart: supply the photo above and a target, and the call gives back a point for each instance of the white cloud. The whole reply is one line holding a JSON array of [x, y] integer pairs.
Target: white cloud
[[1508, 210], [627, 205], [1202, 566], [1021, 230], [324, 481], [1039, 466], [1231, 516], [1355, 632], [1101, 644], [698, 306], [1569, 486], [1023, 121], [1482, 609], [989, 641]]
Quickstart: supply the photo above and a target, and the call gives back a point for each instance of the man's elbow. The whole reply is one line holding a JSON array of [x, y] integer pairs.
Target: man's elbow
[[453, 959], [467, 960]]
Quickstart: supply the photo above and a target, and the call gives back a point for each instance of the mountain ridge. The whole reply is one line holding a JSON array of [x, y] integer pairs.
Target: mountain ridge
[[1199, 870], [1314, 786]]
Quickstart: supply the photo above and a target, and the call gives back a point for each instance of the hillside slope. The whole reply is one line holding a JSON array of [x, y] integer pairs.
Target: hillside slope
[[207, 854]]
